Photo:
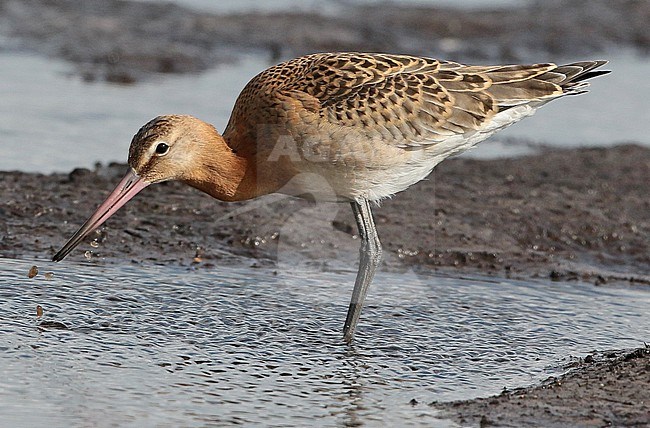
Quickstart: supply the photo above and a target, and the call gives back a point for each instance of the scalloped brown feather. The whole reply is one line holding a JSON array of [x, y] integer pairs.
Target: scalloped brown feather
[[398, 99]]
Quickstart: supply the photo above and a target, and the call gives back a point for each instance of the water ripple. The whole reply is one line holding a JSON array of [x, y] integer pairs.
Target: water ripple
[[149, 346]]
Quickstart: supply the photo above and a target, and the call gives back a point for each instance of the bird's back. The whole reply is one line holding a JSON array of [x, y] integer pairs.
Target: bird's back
[[386, 120]]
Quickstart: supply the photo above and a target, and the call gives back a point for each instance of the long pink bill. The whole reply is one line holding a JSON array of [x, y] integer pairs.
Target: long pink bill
[[130, 185]]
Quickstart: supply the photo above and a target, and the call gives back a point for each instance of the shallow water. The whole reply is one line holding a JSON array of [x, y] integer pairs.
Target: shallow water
[[146, 345], [52, 121]]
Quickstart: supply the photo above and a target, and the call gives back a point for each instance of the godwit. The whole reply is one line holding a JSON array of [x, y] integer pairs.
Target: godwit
[[350, 127]]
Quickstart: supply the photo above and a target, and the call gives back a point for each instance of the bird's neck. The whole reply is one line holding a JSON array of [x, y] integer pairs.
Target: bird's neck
[[227, 174]]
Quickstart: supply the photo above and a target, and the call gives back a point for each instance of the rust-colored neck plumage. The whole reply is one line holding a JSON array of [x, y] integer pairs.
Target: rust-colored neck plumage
[[228, 169], [220, 172]]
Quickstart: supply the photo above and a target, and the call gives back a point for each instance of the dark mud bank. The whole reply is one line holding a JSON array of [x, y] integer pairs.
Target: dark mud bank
[[580, 214], [124, 41], [602, 389]]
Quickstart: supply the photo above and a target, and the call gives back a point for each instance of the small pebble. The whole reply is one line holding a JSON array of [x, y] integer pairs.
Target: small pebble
[[33, 271]]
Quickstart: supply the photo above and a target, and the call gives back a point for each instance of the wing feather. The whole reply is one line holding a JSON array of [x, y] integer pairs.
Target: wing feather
[[404, 101]]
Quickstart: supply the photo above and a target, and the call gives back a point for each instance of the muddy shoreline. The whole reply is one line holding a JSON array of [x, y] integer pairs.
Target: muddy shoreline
[[564, 215], [567, 215], [579, 214], [126, 41], [588, 395]]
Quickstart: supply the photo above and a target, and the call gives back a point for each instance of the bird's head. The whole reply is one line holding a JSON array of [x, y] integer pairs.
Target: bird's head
[[166, 148]]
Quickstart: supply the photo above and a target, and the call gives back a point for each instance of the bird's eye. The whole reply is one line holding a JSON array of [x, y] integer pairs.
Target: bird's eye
[[162, 148]]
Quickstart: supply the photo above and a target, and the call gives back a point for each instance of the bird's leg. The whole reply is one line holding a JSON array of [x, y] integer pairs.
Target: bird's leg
[[370, 255]]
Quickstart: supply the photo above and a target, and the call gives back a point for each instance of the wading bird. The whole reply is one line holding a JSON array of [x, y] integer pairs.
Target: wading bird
[[346, 127]]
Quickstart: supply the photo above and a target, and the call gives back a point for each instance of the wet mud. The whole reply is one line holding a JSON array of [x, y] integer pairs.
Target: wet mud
[[579, 214], [565, 215], [588, 395], [125, 41]]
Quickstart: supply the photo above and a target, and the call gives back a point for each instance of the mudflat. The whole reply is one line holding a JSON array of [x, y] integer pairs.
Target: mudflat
[[566, 215], [561, 215], [128, 41], [578, 214]]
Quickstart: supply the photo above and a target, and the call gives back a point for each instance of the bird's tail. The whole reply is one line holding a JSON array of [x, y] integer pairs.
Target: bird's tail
[[572, 77]]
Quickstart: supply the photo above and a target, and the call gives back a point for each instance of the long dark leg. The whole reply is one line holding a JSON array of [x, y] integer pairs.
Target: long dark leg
[[370, 255]]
